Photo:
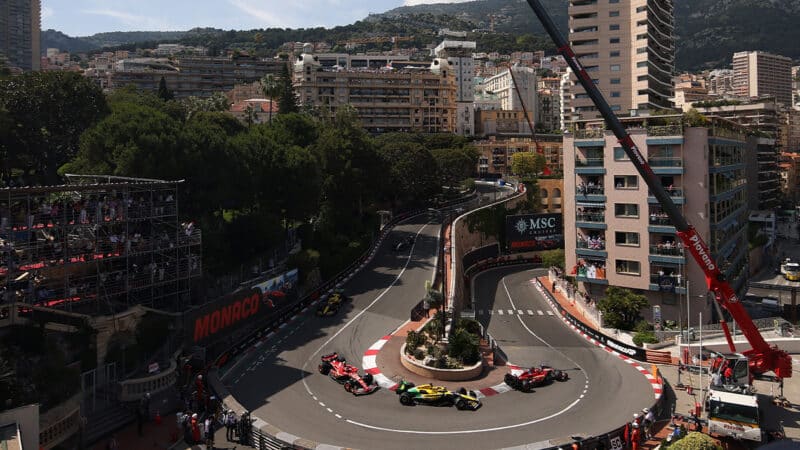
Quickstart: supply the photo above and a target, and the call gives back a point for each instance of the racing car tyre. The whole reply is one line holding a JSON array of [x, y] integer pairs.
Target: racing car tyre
[[348, 386], [526, 386], [511, 380], [406, 399], [367, 379], [461, 404], [325, 368], [561, 375]]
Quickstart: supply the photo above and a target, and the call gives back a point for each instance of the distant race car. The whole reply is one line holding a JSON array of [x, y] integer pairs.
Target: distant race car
[[337, 368], [403, 244], [332, 304], [429, 394], [535, 377]]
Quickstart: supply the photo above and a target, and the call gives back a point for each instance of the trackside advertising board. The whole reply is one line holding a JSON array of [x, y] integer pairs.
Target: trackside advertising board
[[258, 303], [535, 232]]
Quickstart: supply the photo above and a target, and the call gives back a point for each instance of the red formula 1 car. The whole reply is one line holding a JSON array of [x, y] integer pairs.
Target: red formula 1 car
[[337, 368], [535, 377]]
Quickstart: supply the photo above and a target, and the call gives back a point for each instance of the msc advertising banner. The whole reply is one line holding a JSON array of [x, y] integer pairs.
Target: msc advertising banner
[[260, 302], [534, 232]]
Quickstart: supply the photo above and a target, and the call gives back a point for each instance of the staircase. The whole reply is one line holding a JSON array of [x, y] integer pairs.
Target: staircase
[[107, 420]]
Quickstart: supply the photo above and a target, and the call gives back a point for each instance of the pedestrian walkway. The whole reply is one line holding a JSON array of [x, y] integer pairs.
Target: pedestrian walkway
[[512, 312]]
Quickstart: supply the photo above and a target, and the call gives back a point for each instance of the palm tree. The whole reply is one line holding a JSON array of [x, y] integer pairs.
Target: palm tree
[[271, 89]]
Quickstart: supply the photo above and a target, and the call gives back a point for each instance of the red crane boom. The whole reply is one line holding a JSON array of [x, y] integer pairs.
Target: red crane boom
[[762, 357]]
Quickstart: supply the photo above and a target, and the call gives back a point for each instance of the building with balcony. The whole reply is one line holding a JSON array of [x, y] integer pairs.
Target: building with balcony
[[761, 74], [619, 235], [97, 245], [514, 97], [763, 174], [193, 76], [387, 99], [496, 152], [628, 48], [459, 55], [20, 28]]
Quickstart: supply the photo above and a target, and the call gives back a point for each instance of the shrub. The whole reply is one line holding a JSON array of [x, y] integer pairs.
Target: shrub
[[644, 337], [643, 326], [696, 441], [418, 354], [413, 341], [464, 346], [472, 326]]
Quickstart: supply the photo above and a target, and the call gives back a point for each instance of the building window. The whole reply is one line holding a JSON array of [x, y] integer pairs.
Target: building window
[[626, 238], [614, 40], [615, 68], [613, 14], [625, 267], [641, 64], [613, 1], [614, 54], [626, 182], [616, 108], [620, 155], [615, 94], [615, 81], [629, 210], [613, 27]]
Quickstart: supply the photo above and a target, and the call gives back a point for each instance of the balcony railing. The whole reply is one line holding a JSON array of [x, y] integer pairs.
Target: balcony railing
[[592, 244], [666, 250], [591, 217], [589, 162], [668, 280], [726, 133], [674, 129], [673, 192], [665, 162], [589, 134], [659, 219], [590, 190]]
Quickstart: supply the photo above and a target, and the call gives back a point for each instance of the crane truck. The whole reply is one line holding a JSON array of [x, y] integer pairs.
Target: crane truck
[[762, 357]]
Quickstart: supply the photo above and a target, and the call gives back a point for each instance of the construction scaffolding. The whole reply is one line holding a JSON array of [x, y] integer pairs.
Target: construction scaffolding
[[97, 245]]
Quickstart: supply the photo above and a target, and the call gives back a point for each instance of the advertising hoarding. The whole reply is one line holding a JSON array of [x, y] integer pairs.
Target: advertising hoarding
[[534, 232]]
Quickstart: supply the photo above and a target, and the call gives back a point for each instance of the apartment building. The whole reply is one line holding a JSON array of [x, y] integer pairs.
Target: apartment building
[[20, 29], [387, 99], [504, 86], [761, 74], [628, 48], [459, 55], [496, 152], [622, 236], [197, 76], [720, 82]]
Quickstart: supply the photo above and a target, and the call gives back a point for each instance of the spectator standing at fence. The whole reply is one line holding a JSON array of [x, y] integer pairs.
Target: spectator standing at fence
[[635, 436], [728, 374], [649, 420], [230, 425], [209, 431], [426, 306], [195, 429]]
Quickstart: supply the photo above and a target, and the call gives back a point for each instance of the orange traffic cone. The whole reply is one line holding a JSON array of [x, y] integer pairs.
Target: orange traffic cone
[[158, 418]]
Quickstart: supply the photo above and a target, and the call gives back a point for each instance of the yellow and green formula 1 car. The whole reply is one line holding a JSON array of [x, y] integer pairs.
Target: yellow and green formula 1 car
[[331, 306], [429, 394]]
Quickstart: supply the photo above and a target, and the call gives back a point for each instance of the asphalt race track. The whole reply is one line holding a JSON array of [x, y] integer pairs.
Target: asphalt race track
[[280, 384]]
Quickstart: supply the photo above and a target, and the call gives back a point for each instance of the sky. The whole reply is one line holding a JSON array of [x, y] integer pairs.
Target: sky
[[87, 17]]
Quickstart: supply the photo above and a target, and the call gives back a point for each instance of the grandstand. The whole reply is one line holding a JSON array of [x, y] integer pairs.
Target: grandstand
[[97, 245]]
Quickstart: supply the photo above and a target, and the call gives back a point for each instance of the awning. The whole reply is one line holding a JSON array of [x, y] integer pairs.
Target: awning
[[590, 205]]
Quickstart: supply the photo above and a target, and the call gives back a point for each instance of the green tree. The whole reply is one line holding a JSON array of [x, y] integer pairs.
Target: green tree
[[621, 307], [412, 176], [49, 111], [134, 140], [527, 164], [272, 88], [553, 258], [164, 93], [350, 164], [454, 165], [216, 103], [287, 103]]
